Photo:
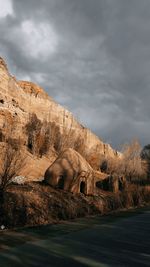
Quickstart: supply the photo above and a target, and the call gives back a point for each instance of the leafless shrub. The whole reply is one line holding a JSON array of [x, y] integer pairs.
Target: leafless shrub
[[12, 162], [43, 136], [128, 165], [145, 155], [33, 128], [68, 138], [132, 164], [40, 135]]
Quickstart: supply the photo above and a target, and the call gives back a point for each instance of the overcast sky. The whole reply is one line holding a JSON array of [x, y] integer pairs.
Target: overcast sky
[[91, 56]]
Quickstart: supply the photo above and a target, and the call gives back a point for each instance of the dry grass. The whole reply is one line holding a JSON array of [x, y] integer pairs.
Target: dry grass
[[36, 204]]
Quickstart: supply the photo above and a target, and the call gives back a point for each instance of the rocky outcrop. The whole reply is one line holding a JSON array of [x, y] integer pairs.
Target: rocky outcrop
[[33, 89], [19, 99], [3, 64], [71, 172]]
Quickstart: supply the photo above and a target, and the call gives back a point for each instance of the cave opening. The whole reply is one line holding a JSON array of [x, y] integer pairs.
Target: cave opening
[[61, 182], [83, 187]]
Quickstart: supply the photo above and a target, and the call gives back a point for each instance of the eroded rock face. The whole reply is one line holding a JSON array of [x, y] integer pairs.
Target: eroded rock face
[[3, 64], [33, 89], [19, 99]]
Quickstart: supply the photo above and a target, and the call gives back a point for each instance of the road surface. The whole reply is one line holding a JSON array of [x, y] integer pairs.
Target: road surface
[[115, 240]]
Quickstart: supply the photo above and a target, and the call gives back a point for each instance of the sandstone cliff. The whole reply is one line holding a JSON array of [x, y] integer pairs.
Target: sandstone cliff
[[19, 99]]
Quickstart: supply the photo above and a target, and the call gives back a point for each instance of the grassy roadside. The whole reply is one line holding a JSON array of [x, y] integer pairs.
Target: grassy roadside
[[36, 204]]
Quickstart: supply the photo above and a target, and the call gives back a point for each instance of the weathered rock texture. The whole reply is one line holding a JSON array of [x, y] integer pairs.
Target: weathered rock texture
[[71, 172], [19, 99]]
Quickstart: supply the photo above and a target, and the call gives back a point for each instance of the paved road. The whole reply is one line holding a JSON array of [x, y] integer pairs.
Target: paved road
[[116, 240]]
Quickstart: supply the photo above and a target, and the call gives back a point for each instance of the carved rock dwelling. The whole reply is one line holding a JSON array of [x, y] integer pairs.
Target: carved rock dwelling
[[71, 172]]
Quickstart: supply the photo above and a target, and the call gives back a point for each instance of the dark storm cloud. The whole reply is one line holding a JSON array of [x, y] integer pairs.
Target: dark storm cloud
[[92, 56]]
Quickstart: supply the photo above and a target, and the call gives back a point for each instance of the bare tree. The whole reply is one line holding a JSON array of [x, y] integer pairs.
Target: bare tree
[[67, 137], [12, 162], [44, 135], [132, 163], [129, 164], [33, 128], [145, 156]]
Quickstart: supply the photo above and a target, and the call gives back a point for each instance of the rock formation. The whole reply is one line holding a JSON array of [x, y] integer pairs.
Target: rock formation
[[71, 172], [20, 99]]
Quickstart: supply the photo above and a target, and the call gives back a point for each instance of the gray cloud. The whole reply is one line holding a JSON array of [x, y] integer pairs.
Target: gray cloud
[[91, 56]]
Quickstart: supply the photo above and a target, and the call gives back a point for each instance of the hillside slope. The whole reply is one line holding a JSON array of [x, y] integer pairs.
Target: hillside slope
[[20, 99]]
